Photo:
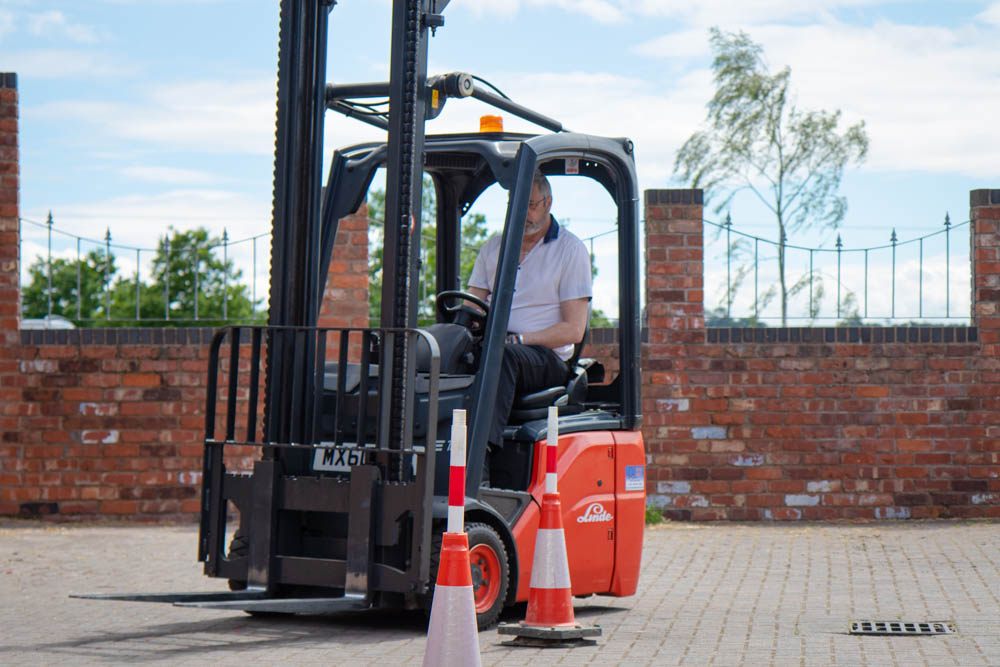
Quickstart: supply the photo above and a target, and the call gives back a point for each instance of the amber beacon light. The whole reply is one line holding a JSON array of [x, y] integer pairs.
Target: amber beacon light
[[490, 124]]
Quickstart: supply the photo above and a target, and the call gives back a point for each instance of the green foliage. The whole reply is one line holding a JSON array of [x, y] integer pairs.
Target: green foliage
[[182, 266], [653, 516], [65, 292], [717, 317], [758, 140], [598, 320], [473, 236]]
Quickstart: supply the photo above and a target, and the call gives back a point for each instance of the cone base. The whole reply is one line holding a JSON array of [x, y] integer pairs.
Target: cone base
[[549, 636]]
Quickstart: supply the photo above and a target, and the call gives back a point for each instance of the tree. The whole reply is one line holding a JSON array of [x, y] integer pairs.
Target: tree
[[473, 235], [182, 265], [185, 265], [74, 282], [758, 140]]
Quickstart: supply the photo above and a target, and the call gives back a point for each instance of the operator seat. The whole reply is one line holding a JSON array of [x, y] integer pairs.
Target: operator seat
[[568, 397]]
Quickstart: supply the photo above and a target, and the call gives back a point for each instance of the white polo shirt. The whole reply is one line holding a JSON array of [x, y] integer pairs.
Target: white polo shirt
[[557, 269]]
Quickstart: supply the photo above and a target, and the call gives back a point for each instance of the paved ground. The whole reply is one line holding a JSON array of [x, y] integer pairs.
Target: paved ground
[[710, 594]]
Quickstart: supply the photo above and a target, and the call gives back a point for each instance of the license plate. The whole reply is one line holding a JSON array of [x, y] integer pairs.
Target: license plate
[[330, 459]]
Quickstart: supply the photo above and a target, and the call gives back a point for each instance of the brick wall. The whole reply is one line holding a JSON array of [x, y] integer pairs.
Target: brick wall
[[756, 424], [109, 422], [785, 424]]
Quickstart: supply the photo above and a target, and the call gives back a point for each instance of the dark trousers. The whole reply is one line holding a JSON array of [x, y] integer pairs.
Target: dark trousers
[[524, 369]]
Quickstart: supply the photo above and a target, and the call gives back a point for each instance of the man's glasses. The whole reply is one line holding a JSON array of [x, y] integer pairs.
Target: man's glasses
[[534, 205]]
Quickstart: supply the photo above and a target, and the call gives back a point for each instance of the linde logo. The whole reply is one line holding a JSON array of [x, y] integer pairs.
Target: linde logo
[[595, 514]]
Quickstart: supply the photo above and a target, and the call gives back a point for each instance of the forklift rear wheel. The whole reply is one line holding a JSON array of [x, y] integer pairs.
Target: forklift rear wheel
[[490, 573]]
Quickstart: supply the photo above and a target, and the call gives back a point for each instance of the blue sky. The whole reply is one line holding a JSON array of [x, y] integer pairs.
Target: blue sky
[[136, 114]]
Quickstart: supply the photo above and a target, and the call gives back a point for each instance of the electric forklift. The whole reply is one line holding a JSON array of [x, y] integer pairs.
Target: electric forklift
[[348, 427]]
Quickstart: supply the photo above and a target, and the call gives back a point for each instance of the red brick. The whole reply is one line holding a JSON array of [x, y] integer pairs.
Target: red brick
[[119, 507], [141, 380], [763, 473]]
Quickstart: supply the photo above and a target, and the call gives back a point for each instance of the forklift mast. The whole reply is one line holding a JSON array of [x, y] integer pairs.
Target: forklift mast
[[296, 279]]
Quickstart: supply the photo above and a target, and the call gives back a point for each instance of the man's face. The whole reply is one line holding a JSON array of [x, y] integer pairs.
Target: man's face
[[538, 213]]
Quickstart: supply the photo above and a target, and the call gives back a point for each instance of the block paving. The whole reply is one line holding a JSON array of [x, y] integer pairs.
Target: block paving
[[709, 594]]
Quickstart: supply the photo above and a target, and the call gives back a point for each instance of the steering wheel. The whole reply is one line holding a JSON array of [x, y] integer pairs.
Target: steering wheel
[[450, 305]]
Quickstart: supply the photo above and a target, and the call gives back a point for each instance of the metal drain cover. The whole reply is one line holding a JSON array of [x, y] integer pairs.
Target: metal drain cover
[[902, 628]]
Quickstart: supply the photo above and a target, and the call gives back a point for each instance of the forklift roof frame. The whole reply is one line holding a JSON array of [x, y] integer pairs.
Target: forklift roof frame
[[510, 160]]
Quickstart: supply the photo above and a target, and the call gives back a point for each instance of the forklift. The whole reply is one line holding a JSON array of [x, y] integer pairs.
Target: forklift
[[348, 427]]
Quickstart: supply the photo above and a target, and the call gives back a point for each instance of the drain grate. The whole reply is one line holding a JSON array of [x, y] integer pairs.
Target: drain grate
[[902, 628]]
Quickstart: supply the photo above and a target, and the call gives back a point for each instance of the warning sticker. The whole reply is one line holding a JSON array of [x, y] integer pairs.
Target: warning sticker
[[572, 166], [635, 478]]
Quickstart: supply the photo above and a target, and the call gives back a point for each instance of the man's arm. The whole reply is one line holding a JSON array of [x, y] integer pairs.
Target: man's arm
[[569, 331], [478, 292]]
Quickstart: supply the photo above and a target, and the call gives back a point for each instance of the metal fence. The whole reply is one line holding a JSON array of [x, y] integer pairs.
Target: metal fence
[[236, 257], [922, 280]]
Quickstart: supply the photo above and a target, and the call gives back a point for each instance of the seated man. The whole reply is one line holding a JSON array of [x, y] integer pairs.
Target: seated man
[[550, 306]]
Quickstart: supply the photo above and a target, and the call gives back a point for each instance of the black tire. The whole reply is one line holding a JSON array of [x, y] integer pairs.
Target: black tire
[[490, 573], [239, 547], [488, 541]]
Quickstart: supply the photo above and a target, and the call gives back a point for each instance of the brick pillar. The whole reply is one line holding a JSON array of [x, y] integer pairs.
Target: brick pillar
[[10, 288], [675, 303], [985, 238], [345, 298], [675, 318], [11, 396]]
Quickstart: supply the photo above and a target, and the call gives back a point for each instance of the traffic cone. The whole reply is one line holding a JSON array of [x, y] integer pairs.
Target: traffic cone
[[452, 636], [549, 621]]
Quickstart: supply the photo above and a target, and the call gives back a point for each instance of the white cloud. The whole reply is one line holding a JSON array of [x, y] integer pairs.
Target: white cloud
[[53, 24], [923, 91], [171, 175], [712, 12], [602, 11], [65, 63], [702, 13], [599, 10], [991, 14], [211, 116]]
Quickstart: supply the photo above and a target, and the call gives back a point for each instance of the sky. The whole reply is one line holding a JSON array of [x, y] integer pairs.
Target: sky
[[136, 115]]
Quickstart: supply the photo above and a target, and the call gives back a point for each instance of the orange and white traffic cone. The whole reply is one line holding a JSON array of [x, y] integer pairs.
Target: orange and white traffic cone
[[452, 636], [549, 621]]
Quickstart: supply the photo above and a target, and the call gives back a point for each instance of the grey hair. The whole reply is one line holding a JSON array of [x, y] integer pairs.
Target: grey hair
[[539, 181]]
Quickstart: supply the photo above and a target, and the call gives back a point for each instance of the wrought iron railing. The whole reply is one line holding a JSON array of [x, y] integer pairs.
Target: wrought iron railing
[[870, 284], [245, 252]]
